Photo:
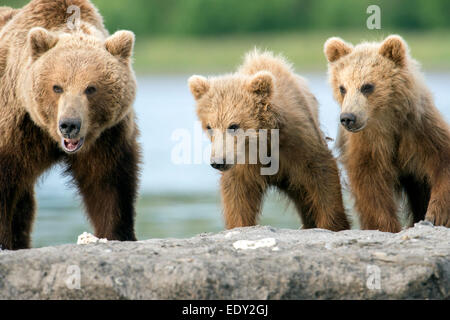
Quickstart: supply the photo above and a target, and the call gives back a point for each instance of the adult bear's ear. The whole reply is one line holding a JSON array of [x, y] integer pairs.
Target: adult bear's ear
[[121, 45], [335, 48], [40, 41], [395, 49], [262, 85], [198, 85]]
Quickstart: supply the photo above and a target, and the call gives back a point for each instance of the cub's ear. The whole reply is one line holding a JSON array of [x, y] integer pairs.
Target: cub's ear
[[395, 49], [121, 45], [198, 85], [335, 48], [40, 41], [262, 84]]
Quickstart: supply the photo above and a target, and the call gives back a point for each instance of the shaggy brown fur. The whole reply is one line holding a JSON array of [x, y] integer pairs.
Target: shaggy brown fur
[[397, 140], [265, 94], [49, 75], [6, 14]]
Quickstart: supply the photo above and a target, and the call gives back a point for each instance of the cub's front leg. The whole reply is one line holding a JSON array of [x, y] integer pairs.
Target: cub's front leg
[[107, 178], [438, 211], [242, 197], [373, 189]]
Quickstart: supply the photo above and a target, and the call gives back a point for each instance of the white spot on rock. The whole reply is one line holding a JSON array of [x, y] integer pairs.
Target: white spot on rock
[[379, 254], [424, 223], [87, 238], [231, 233], [251, 245], [383, 256], [118, 281]]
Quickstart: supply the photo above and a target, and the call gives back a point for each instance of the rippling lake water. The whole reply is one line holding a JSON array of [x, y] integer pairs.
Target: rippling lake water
[[179, 200]]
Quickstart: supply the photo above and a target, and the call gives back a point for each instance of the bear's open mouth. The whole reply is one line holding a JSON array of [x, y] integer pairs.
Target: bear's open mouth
[[72, 145]]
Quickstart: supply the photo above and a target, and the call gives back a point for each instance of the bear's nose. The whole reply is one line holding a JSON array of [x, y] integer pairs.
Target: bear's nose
[[70, 128], [218, 166], [348, 120]]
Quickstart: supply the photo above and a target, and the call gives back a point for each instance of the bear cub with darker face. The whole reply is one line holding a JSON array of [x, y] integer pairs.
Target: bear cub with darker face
[[266, 95], [393, 138]]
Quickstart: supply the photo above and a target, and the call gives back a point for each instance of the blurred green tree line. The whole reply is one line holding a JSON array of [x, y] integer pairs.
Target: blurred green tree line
[[214, 17]]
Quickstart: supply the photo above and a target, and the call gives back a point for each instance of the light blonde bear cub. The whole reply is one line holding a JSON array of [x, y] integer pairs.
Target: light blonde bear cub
[[265, 93], [394, 139]]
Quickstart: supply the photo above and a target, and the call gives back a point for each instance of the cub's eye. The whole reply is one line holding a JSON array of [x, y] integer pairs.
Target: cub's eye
[[208, 127], [367, 88], [57, 89], [342, 90], [90, 90], [233, 127]]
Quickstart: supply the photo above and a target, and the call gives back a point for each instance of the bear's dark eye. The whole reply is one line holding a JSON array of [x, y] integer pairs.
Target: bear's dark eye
[[233, 127], [208, 127], [342, 90], [90, 90], [57, 89], [367, 88]]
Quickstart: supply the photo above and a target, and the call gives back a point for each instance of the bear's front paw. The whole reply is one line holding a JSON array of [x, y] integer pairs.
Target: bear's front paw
[[442, 219]]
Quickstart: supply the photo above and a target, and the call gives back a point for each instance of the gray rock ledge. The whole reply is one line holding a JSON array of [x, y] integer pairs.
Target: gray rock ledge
[[289, 264]]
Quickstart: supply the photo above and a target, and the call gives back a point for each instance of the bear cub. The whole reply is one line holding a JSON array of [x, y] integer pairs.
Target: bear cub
[[392, 137], [266, 95]]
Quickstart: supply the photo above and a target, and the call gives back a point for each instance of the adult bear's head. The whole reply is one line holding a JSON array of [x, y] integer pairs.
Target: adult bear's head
[[77, 85]]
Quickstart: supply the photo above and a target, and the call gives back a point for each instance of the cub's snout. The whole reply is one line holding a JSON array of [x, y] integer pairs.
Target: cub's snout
[[351, 122], [220, 166], [348, 120]]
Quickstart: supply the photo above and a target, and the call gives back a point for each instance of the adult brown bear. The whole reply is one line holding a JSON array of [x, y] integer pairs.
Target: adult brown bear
[[66, 95]]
